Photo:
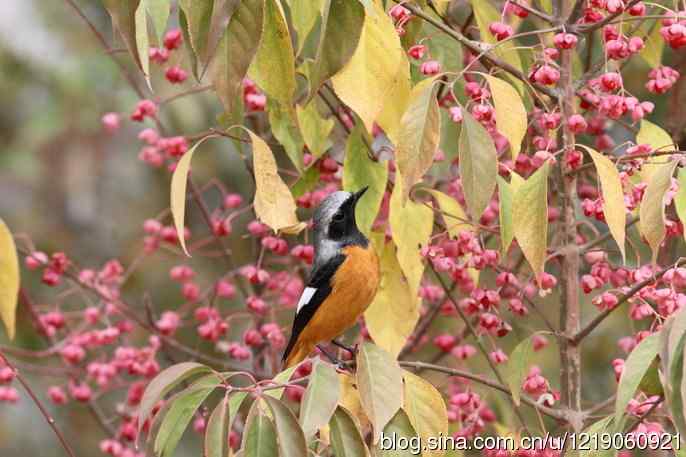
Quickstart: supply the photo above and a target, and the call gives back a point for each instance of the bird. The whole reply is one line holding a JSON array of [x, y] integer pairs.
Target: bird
[[343, 281]]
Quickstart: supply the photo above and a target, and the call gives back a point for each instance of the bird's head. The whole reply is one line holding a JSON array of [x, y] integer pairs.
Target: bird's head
[[334, 219]]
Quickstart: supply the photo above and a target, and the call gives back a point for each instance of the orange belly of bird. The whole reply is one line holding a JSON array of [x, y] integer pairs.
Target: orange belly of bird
[[353, 288]]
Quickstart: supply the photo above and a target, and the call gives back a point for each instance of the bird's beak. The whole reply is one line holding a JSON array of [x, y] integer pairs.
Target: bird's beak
[[357, 195]]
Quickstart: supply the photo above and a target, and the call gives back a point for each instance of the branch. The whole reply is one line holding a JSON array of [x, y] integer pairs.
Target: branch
[[593, 27], [48, 418], [583, 333]]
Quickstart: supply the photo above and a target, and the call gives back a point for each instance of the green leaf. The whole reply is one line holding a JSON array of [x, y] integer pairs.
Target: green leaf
[[530, 218], [309, 181], [304, 16], [398, 428], [456, 220], [123, 14], [9, 280], [369, 76], [315, 129], [342, 22], [284, 123], [290, 436], [380, 381], [320, 399], [614, 208], [411, 226], [478, 165], [506, 192], [281, 378], [419, 135], [165, 381], [654, 44], [198, 15], [394, 312], [192, 58], [517, 367], [217, 431], [274, 204], [659, 140], [177, 193], [680, 197], [510, 113], [426, 410], [597, 428], [219, 20], [179, 416], [346, 439], [672, 341], [651, 222], [274, 66], [635, 367], [235, 52], [158, 10], [235, 401], [260, 437], [359, 170]]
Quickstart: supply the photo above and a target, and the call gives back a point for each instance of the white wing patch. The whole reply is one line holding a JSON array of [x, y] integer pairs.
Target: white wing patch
[[305, 298]]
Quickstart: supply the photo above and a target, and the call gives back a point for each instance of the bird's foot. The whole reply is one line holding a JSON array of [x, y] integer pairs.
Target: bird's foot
[[351, 350]]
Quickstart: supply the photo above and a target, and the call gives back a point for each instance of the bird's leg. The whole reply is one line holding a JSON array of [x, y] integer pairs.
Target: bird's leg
[[329, 356], [351, 350]]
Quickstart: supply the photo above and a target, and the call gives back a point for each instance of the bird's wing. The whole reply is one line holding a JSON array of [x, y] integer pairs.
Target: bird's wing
[[316, 291]]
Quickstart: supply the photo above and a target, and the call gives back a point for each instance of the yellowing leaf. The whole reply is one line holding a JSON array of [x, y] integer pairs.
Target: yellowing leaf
[[274, 66], [680, 197], [342, 23], [366, 80], [360, 171], [613, 198], [350, 398], [234, 53], [659, 140], [142, 38], [274, 204], [178, 193], [651, 222], [158, 10], [9, 279], [315, 129], [393, 314], [123, 14], [456, 220], [420, 132], [411, 226], [320, 399], [198, 16], [517, 367], [346, 439], [530, 218], [304, 16], [506, 192], [426, 410], [396, 102], [654, 44], [510, 113], [478, 165], [283, 120], [380, 381]]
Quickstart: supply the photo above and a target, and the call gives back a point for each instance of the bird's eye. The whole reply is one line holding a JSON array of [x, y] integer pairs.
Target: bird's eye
[[338, 217]]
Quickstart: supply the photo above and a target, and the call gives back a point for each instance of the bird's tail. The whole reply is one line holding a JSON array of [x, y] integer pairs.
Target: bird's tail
[[296, 353]]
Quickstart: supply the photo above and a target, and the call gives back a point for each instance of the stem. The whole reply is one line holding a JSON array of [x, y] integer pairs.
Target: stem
[[48, 418], [570, 312]]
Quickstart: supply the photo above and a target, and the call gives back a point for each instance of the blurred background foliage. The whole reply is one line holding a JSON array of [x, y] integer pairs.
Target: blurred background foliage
[[73, 187]]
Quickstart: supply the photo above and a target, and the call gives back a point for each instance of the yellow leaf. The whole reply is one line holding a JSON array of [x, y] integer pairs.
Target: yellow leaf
[[396, 102], [510, 113], [426, 410], [613, 197], [478, 165], [393, 314], [530, 218], [654, 44], [456, 220], [420, 132], [411, 226], [9, 279], [350, 398], [360, 171], [651, 222], [370, 75], [659, 140], [680, 198], [178, 193], [274, 204]]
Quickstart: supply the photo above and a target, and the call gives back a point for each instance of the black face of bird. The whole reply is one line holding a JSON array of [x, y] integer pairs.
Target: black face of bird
[[343, 224]]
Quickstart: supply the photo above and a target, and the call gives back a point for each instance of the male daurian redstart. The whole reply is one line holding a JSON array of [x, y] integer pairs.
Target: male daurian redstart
[[344, 278]]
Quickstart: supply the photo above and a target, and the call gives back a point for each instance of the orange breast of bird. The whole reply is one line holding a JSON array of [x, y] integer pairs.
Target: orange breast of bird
[[354, 286]]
